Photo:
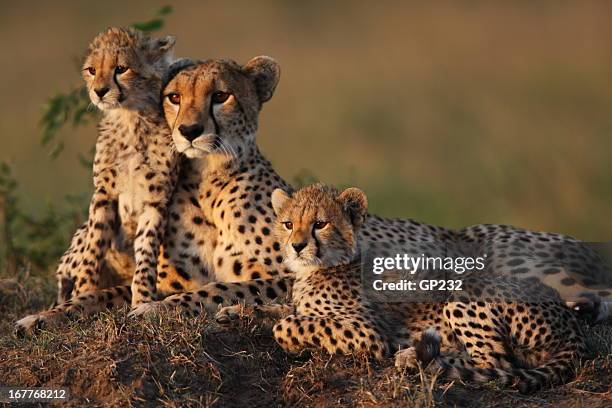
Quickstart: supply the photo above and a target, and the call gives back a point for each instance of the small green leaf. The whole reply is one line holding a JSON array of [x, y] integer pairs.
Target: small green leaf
[[164, 11], [149, 26], [57, 149]]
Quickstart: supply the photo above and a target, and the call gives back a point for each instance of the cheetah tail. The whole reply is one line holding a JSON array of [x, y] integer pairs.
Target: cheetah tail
[[428, 348], [555, 370]]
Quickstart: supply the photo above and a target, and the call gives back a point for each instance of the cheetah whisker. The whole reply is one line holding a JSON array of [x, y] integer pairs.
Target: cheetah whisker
[[228, 149]]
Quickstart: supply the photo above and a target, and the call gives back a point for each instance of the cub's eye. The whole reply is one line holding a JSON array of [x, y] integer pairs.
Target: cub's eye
[[91, 70], [220, 97], [120, 69], [174, 98], [288, 225], [320, 225]]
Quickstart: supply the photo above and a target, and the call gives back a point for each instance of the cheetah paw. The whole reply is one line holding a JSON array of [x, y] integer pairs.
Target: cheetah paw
[[226, 315], [146, 309], [407, 358], [29, 324]]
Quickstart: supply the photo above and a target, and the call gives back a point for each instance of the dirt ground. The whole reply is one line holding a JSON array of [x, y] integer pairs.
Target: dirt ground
[[170, 360]]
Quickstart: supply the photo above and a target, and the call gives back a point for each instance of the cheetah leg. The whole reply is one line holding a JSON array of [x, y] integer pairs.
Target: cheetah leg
[[146, 250], [271, 311], [214, 296], [485, 340], [83, 305], [479, 335], [276, 311], [297, 333], [68, 264], [102, 216]]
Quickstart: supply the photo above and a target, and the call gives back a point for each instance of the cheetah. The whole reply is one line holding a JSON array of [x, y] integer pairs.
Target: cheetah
[[134, 174], [318, 229], [219, 225], [533, 343], [219, 249]]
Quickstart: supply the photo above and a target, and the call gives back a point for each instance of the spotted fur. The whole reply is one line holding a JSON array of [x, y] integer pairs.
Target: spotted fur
[[522, 333], [219, 226], [134, 174], [219, 248], [221, 218]]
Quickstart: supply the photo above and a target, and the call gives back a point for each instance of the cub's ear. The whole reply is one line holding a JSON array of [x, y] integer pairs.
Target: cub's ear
[[279, 197], [165, 44], [161, 48], [355, 204], [265, 74]]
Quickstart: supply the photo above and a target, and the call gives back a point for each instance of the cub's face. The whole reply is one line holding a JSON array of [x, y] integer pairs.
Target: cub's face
[[123, 68], [212, 106], [317, 226]]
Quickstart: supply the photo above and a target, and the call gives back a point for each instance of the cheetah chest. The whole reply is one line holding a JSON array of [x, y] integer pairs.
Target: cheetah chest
[[133, 191], [322, 295]]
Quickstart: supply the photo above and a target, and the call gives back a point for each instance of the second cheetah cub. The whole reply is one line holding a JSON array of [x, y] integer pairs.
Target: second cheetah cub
[[318, 228], [522, 334]]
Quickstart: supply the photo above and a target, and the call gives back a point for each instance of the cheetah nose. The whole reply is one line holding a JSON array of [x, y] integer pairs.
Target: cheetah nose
[[298, 247], [192, 131], [101, 92]]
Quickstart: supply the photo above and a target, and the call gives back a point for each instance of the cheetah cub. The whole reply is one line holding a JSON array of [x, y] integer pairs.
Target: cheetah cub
[[530, 343], [318, 226], [134, 173]]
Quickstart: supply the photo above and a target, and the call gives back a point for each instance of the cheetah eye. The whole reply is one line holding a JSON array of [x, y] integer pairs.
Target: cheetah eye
[[219, 97], [320, 225], [120, 69], [91, 70], [288, 225], [174, 98]]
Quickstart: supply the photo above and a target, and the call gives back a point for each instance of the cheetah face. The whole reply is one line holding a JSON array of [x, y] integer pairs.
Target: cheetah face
[[212, 106], [318, 226], [123, 68]]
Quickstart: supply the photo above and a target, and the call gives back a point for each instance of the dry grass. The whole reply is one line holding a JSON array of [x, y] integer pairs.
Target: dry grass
[[170, 360]]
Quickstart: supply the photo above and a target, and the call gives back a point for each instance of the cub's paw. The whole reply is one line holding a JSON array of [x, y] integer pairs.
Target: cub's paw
[[146, 309], [274, 311], [29, 325], [407, 358], [229, 314]]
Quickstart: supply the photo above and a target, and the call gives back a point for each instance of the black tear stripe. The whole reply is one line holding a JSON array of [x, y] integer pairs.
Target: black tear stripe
[[212, 115], [121, 95], [317, 244]]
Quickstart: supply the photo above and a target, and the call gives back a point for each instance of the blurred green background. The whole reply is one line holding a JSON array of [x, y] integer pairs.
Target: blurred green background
[[452, 113]]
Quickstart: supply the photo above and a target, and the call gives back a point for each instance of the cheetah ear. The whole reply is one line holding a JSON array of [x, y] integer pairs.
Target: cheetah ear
[[165, 44], [355, 204], [265, 74], [279, 197], [162, 48]]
